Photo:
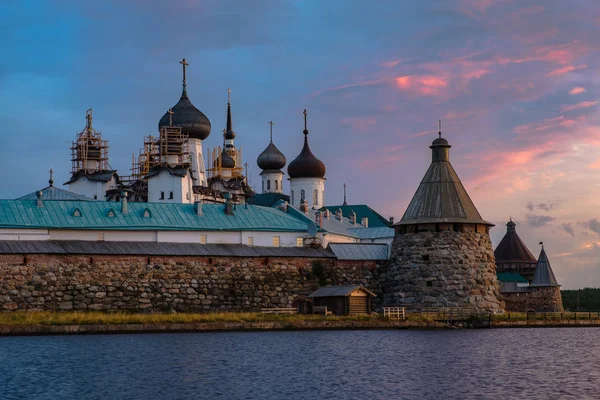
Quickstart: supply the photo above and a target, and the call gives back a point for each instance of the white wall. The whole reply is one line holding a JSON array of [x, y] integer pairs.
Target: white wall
[[286, 239], [198, 167], [164, 182], [335, 238], [93, 189], [309, 185], [272, 178]]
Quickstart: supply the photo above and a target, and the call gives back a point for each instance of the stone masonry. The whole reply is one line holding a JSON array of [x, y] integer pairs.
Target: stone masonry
[[443, 269], [158, 284], [542, 299]]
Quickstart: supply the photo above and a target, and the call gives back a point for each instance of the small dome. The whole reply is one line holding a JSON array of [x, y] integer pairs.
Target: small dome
[[271, 158], [440, 142], [186, 116], [306, 165], [226, 160]]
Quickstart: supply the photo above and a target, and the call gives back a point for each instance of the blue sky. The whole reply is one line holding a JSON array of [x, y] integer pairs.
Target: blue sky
[[514, 82]]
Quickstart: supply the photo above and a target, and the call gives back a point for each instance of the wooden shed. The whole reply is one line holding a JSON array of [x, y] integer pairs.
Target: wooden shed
[[344, 300]]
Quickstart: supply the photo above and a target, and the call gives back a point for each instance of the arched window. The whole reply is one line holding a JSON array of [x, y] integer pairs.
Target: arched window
[[269, 184], [315, 197], [292, 197], [276, 184], [302, 195], [263, 186]]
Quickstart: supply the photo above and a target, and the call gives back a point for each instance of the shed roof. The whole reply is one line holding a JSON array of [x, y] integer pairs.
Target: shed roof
[[80, 247], [336, 291], [161, 216], [543, 276], [359, 251], [374, 233], [441, 197]]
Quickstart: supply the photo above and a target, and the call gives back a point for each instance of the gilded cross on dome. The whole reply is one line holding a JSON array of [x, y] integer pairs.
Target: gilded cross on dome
[[184, 64]]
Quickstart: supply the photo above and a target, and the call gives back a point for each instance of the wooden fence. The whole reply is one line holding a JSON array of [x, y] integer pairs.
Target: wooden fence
[[394, 313]]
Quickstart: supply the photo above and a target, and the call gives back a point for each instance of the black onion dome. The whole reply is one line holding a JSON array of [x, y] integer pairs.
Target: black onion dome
[[229, 133], [271, 158], [306, 165], [192, 121], [226, 160]]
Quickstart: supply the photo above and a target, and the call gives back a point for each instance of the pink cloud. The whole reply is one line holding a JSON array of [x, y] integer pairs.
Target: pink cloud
[[564, 70], [543, 125], [577, 90], [583, 104], [426, 85], [595, 165]]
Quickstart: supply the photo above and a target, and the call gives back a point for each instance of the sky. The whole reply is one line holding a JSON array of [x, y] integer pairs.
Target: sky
[[515, 83]]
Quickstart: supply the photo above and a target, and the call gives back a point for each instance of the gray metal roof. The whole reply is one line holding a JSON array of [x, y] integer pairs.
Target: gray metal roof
[[359, 251], [441, 198], [373, 233], [74, 247], [333, 225], [336, 291], [54, 193], [544, 276]]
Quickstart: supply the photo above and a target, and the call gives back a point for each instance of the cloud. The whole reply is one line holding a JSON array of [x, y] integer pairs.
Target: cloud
[[568, 228], [390, 64], [583, 104], [592, 224], [426, 85], [564, 70], [545, 124], [530, 206], [359, 123], [538, 221], [546, 206], [577, 90]]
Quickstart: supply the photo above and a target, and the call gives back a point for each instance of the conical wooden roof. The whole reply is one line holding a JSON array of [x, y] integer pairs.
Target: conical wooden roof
[[512, 249], [441, 196], [544, 276]]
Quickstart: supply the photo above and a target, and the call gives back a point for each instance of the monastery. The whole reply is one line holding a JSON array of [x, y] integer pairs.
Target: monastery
[[185, 231]]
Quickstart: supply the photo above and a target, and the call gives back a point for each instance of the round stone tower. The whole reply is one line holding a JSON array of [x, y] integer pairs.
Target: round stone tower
[[442, 253]]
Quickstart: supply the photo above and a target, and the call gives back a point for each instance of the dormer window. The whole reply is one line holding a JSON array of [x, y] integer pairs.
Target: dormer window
[[146, 213], [77, 212], [110, 213]]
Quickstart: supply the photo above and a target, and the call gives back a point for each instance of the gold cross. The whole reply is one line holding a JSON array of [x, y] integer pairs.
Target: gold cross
[[271, 123], [170, 116], [228, 95], [185, 64]]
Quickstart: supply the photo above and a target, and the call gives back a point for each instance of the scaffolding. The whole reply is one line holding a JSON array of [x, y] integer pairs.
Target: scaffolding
[[89, 153], [216, 164], [169, 149]]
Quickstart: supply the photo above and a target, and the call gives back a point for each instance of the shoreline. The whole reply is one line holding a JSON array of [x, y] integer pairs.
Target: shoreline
[[270, 326]]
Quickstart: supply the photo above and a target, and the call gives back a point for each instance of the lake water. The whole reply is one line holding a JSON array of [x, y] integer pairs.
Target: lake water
[[459, 364]]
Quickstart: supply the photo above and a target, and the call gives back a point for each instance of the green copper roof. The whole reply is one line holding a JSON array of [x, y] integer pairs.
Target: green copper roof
[[376, 220], [60, 214], [511, 277]]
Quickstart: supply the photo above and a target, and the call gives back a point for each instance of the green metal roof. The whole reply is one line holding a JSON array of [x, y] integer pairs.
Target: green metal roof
[[60, 214], [511, 277], [267, 199], [376, 220]]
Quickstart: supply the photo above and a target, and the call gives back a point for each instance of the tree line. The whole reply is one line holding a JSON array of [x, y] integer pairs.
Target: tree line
[[587, 299]]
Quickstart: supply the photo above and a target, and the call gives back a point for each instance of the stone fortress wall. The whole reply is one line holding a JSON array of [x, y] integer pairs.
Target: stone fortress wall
[[182, 284], [443, 269]]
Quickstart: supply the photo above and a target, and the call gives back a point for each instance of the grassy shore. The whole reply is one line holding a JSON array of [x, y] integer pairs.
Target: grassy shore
[[120, 318]]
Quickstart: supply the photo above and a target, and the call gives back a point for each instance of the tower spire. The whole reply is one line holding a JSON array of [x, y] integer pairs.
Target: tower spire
[[271, 123], [305, 125], [345, 203], [440, 128], [184, 64], [229, 129], [51, 181]]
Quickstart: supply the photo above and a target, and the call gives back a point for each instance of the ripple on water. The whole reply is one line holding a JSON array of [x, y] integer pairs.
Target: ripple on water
[[462, 364]]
